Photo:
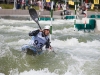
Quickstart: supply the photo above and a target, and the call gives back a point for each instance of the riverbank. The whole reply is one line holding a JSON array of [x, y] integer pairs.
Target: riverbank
[[10, 13], [24, 14]]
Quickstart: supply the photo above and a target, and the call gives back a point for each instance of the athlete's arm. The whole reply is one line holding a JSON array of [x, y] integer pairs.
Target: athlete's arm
[[34, 33], [48, 44]]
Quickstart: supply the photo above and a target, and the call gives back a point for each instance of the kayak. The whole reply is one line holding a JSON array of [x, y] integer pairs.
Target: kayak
[[31, 50]]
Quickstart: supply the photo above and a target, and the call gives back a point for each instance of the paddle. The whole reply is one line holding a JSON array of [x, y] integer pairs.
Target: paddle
[[34, 16]]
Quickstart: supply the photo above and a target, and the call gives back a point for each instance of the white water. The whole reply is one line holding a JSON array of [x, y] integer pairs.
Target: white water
[[78, 53]]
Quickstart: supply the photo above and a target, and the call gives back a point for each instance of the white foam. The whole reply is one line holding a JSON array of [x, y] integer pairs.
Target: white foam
[[65, 43], [69, 31], [74, 42], [23, 41], [16, 29], [58, 21], [15, 21], [38, 72], [78, 52], [71, 71], [2, 74]]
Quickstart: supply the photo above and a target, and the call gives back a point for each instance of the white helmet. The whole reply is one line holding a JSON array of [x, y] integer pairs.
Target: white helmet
[[47, 27]]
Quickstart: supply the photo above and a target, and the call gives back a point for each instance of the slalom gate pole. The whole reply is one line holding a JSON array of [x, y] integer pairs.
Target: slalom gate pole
[[51, 18], [75, 15], [86, 13]]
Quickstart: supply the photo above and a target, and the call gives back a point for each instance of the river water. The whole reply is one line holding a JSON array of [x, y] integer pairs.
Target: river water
[[77, 53]]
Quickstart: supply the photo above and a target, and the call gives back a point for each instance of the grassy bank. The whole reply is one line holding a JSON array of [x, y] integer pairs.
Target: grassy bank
[[10, 6], [7, 6]]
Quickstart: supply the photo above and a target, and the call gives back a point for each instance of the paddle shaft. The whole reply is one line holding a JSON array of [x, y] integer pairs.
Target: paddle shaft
[[39, 25]]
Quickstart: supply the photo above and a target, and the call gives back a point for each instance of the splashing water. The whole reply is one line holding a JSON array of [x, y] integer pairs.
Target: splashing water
[[78, 53]]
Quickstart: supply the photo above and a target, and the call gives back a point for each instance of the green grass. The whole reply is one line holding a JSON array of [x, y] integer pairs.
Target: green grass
[[6, 6], [36, 7], [10, 6]]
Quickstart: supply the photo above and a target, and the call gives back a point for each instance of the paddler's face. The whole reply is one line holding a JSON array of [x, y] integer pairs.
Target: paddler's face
[[46, 32]]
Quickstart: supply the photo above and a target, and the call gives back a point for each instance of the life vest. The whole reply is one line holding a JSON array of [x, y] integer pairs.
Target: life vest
[[38, 40]]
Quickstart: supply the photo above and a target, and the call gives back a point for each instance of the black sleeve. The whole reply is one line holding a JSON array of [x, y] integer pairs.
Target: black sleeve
[[34, 33], [47, 43]]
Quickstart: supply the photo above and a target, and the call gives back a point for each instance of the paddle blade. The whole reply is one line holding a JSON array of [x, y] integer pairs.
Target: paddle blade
[[33, 15]]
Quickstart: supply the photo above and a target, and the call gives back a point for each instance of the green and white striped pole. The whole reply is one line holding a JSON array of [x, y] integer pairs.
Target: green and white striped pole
[[75, 16], [51, 22], [51, 18]]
